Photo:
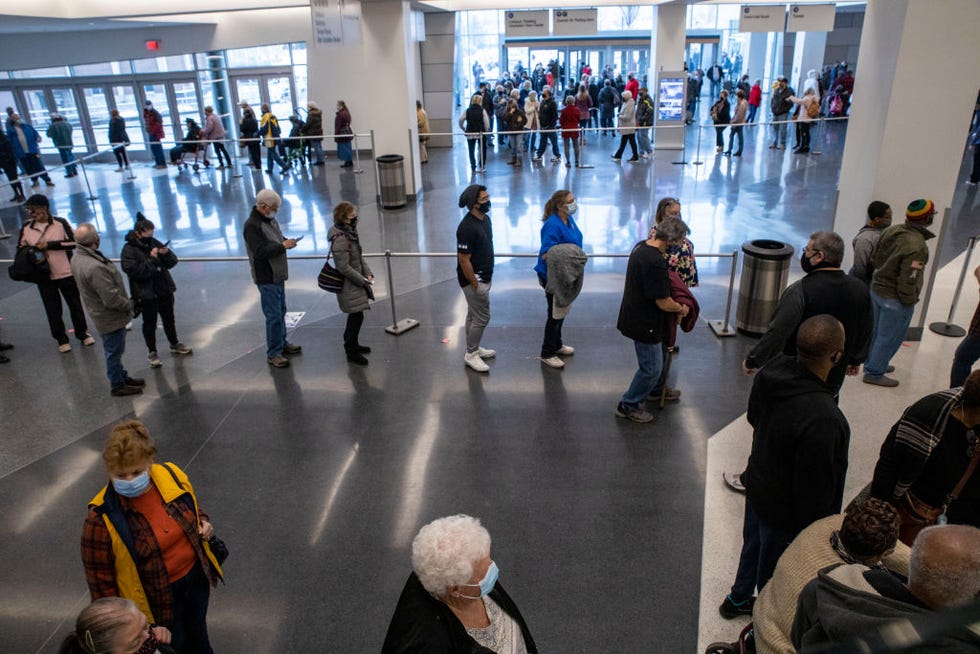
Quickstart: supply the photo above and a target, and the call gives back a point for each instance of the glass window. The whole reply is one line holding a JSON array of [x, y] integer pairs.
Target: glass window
[[157, 94], [299, 53], [7, 100], [626, 18], [207, 89], [300, 79], [128, 105], [57, 71], [247, 90], [105, 68], [97, 103], [266, 55], [702, 17], [187, 104], [66, 105], [37, 107], [280, 97]]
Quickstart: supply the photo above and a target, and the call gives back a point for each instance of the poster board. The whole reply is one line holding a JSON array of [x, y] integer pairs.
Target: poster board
[[669, 108]]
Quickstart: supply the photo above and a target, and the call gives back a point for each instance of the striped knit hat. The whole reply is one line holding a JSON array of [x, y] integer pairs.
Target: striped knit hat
[[920, 210]]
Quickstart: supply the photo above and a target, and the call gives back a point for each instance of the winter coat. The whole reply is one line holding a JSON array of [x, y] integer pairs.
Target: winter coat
[[314, 124], [531, 111], [741, 111], [721, 112], [627, 118], [349, 261], [249, 127], [516, 120], [644, 111], [269, 129], [548, 113], [422, 121], [894, 276], [584, 103], [341, 125], [266, 253], [149, 276], [608, 98], [101, 286], [59, 131], [154, 124], [864, 246], [569, 121], [779, 103], [117, 131], [213, 129], [30, 135], [755, 95]]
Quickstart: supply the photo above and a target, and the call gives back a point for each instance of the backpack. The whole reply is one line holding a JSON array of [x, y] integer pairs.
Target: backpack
[[813, 110]]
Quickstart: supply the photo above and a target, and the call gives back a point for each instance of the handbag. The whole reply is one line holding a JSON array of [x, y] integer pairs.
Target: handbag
[[916, 515], [330, 279], [30, 265]]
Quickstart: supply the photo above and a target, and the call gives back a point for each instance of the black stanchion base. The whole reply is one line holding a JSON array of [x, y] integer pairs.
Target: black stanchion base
[[698, 163], [679, 163], [947, 329]]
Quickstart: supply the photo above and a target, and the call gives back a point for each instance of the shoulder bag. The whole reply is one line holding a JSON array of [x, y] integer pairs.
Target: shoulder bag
[[30, 264], [330, 279], [916, 515], [218, 547]]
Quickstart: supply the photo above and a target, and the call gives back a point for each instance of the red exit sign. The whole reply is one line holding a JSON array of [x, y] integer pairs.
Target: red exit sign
[[153, 45]]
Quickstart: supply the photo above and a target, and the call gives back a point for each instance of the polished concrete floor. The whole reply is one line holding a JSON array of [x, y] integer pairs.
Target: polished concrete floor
[[319, 475]]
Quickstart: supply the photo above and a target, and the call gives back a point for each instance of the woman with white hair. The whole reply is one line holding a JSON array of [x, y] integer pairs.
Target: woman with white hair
[[452, 601], [114, 625], [627, 127]]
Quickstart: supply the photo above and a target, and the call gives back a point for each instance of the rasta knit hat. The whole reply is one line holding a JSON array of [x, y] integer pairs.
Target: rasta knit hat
[[920, 210], [467, 199]]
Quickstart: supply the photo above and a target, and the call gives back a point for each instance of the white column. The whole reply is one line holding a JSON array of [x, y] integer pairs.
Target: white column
[[667, 42], [754, 64], [807, 54], [915, 87]]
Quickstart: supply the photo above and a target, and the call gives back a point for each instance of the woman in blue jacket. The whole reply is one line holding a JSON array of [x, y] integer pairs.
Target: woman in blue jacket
[[559, 227]]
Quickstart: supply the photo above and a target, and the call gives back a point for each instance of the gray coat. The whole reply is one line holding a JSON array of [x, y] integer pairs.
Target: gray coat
[[102, 290], [356, 294], [566, 270]]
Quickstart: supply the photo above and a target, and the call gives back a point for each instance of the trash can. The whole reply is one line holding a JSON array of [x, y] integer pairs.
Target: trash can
[[765, 269], [391, 177]]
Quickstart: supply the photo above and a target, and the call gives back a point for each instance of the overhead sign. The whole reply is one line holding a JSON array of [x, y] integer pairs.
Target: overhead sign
[[576, 22], [762, 18], [811, 18], [327, 22], [526, 23]]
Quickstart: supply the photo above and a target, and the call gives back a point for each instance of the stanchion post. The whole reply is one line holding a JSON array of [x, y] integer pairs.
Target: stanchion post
[[683, 160], [236, 170], [697, 161], [724, 327], [91, 196], [357, 157], [948, 328], [377, 177], [397, 326]]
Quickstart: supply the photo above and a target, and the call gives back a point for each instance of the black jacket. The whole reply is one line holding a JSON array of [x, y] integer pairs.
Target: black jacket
[[117, 131], [796, 470], [548, 113], [422, 623], [149, 277]]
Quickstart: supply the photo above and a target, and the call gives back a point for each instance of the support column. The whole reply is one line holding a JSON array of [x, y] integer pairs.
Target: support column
[[437, 75], [218, 75], [899, 149], [667, 42], [754, 64], [807, 54], [388, 102]]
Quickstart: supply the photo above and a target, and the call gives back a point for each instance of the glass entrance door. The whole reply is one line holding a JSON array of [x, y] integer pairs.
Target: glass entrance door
[[97, 106], [127, 103], [157, 94]]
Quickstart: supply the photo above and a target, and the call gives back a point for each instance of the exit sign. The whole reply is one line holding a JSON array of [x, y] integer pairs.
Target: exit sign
[[152, 45]]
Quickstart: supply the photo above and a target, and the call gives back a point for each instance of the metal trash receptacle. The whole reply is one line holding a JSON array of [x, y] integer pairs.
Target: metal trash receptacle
[[391, 178], [765, 269]]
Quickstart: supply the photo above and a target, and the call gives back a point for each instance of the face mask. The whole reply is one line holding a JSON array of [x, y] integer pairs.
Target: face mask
[[149, 645], [132, 487], [487, 583], [571, 208], [484, 208]]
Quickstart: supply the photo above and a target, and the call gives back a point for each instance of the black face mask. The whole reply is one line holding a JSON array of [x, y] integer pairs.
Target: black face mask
[[484, 208], [809, 267]]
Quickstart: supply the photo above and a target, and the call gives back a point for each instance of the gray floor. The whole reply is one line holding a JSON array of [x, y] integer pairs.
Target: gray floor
[[318, 476]]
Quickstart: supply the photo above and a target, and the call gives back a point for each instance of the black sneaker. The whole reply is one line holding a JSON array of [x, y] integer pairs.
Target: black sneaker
[[730, 610], [122, 391], [357, 357], [363, 349], [136, 382]]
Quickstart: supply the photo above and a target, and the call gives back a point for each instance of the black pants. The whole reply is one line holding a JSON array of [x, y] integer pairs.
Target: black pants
[[471, 144], [255, 153], [121, 157], [975, 174], [803, 135], [354, 322], [624, 139], [10, 169], [732, 133], [720, 136], [51, 293], [164, 307], [34, 166], [191, 594], [219, 151], [552, 329]]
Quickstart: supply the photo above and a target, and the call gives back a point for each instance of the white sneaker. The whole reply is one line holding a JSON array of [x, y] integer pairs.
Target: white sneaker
[[64, 347], [565, 351], [485, 353], [553, 362], [154, 360], [473, 360]]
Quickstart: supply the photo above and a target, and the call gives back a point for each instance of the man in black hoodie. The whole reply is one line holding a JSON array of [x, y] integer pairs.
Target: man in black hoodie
[[795, 474]]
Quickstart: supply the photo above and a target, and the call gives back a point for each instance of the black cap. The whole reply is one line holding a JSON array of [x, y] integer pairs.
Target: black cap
[[37, 200]]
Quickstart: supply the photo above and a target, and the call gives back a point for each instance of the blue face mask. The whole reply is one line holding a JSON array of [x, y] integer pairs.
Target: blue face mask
[[487, 583], [572, 208], [132, 487]]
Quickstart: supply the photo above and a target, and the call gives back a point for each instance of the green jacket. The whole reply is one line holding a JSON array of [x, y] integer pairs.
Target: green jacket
[[894, 276], [60, 132]]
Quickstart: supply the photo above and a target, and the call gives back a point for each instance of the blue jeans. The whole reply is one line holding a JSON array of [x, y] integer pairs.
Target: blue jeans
[[780, 137], [966, 355], [66, 158], [643, 139], [545, 137], [733, 132], [752, 110], [114, 344], [761, 548], [650, 357], [271, 154], [157, 151], [892, 320], [316, 151], [273, 298]]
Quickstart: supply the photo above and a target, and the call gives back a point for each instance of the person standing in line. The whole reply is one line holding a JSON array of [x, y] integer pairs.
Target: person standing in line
[[59, 131], [104, 295], [780, 106], [24, 139], [809, 110], [796, 470], [475, 122], [422, 120], [738, 118], [249, 130], [341, 125], [721, 116], [269, 130], [755, 99], [583, 102], [531, 106], [215, 131], [570, 120], [266, 249], [8, 162], [548, 114], [356, 295], [154, 133], [968, 351], [474, 271], [54, 237], [632, 85], [608, 101], [879, 218], [645, 312], [559, 228], [118, 139], [644, 121], [627, 128], [900, 258], [314, 133], [147, 263], [975, 146], [516, 120]]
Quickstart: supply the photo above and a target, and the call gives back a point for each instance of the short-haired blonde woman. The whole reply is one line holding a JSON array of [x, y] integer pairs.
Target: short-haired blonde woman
[[452, 601], [147, 539], [356, 295]]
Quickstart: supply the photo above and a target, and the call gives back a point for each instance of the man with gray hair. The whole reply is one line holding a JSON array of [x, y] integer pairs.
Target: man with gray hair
[[645, 314], [266, 249], [104, 295], [874, 611]]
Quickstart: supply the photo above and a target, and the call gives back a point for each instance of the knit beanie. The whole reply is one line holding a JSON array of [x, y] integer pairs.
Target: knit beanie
[[467, 199], [920, 210]]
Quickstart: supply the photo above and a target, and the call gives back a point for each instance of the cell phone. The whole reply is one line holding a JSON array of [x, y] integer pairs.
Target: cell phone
[[299, 238], [167, 244]]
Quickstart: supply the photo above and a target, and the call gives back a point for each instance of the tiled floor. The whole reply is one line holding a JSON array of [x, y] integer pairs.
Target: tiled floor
[[319, 475]]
